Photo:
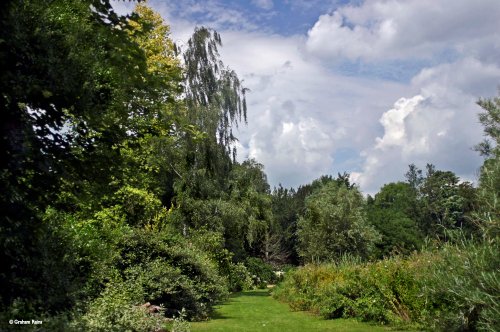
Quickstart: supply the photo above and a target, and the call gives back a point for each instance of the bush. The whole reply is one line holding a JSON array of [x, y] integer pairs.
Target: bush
[[119, 309], [171, 272], [261, 272], [455, 288], [239, 278], [65, 266], [140, 206], [212, 244], [387, 291], [465, 288]]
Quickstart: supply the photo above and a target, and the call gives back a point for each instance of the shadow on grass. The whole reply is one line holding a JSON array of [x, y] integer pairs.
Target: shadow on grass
[[217, 315]]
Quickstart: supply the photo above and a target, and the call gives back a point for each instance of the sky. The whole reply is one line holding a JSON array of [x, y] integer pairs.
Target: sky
[[363, 87]]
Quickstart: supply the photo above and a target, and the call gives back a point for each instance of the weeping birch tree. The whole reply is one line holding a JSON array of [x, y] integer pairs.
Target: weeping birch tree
[[215, 100]]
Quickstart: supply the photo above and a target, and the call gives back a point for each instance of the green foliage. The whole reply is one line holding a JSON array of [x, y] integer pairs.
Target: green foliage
[[69, 253], [212, 87], [93, 242], [440, 202], [239, 278], [399, 234], [180, 323], [414, 177], [261, 272], [387, 291], [139, 206], [224, 217], [398, 196], [250, 191], [119, 308], [455, 288], [212, 244], [285, 210], [242, 213], [464, 285], [490, 119], [487, 215], [71, 100], [215, 100], [391, 214], [335, 224], [171, 272]]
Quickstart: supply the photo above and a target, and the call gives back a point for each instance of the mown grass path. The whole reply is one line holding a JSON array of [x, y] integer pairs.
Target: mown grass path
[[258, 311]]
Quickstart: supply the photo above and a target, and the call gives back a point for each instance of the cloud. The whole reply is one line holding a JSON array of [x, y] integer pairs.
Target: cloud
[[300, 113], [308, 116], [295, 151], [394, 122], [393, 29], [439, 125]]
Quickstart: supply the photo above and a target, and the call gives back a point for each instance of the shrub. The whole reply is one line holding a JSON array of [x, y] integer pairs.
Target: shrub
[[171, 272], [387, 291], [239, 278], [140, 206], [262, 273], [67, 255], [465, 288], [181, 324], [212, 244], [119, 309], [454, 288]]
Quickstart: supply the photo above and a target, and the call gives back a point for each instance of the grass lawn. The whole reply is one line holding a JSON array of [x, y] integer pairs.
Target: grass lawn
[[258, 311]]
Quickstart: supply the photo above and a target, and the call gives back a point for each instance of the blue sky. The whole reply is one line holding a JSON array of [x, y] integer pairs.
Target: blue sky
[[365, 87], [281, 17]]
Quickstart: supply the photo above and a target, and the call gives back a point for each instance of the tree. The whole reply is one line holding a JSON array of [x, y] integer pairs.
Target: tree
[[215, 101], [392, 214], [249, 190], [67, 70], [90, 100], [334, 224], [285, 211], [397, 196], [444, 202], [161, 121], [488, 215], [414, 176], [490, 119], [440, 201]]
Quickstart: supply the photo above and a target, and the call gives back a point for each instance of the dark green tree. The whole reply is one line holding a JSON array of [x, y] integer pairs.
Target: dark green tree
[[335, 224], [67, 70], [285, 211], [414, 176], [392, 214], [445, 202]]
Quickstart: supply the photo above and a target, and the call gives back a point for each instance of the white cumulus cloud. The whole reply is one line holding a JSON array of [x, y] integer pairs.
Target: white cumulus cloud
[[396, 29], [308, 118], [439, 125], [394, 122]]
